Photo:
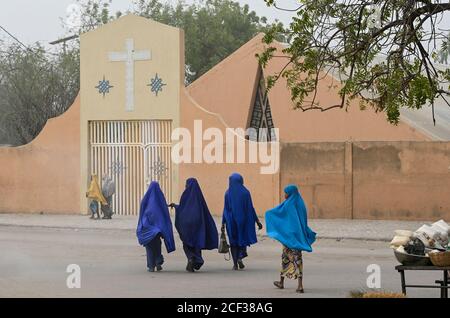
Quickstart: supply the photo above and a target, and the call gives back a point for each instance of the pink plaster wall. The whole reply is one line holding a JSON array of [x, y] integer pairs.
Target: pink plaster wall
[[401, 180], [44, 175], [371, 180]]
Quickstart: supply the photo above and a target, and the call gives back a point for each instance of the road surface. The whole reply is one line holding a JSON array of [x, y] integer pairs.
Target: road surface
[[33, 263]]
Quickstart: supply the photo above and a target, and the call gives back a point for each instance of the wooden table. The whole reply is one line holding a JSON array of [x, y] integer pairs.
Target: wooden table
[[444, 285]]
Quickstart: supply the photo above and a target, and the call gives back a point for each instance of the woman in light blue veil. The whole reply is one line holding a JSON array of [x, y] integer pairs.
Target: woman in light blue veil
[[288, 224]]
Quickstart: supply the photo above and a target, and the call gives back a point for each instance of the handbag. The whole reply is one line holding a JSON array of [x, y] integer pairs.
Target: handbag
[[224, 247]]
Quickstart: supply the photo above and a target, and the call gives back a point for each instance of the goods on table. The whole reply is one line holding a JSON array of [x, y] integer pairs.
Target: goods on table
[[411, 259], [415, 248]]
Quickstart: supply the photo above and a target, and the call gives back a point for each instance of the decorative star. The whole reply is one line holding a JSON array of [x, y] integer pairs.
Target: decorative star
[[103, 86], [117, 167], [156, 84], [159, 168]]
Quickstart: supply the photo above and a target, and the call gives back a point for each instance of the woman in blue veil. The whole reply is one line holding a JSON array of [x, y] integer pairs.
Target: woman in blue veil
[[288, 224], [155, 224], [239, 218], [195, 225]]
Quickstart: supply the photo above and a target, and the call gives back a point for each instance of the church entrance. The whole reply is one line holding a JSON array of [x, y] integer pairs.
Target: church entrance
[[133, 154]]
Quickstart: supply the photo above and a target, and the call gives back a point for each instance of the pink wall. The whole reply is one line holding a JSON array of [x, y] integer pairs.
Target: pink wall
[[43, 176], [371, 180], [401, 180]]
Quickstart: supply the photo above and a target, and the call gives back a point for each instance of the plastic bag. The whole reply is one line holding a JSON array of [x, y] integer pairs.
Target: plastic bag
[[432, 236], [399, 241], [443, 225], [428, 241], [415, 247]]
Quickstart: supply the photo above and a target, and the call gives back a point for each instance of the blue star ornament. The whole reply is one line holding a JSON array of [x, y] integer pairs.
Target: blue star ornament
[[156, 84], [103, 86], [159, 168], [117, 167]]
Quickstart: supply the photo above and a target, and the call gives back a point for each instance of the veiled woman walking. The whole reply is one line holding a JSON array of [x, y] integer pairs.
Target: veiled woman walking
[[239, 218], [288, 224], [155, 224], [195, 225], [95, 195]]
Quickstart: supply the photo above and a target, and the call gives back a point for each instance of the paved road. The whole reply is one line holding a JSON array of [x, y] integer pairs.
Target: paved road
[[33, 263]]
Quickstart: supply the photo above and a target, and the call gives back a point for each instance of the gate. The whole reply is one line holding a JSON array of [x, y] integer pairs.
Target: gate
[[132, 153]]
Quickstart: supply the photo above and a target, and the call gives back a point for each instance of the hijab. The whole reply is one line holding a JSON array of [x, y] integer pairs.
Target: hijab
[[193, 220], [94, 191], [288, 222], [154, 218], [239, 214]]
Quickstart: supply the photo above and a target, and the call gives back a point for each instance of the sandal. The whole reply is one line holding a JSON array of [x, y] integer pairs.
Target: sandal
[[278, 285]]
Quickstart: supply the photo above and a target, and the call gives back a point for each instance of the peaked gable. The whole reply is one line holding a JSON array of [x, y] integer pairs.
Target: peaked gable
[[228, 89]]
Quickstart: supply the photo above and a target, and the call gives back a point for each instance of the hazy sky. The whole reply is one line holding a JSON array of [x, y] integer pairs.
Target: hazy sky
[[40, 20]]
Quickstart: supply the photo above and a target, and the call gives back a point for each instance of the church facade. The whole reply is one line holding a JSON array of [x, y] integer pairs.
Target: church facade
[[132, 101], [131, 78]]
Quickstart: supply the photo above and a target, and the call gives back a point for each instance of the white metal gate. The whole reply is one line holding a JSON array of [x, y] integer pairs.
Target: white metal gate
[[133, 153]]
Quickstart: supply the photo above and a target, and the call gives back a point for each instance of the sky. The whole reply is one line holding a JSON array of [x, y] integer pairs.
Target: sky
[[41, 20]]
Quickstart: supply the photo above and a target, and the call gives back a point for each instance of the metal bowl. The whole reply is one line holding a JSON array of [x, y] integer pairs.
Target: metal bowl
[[412, 260]]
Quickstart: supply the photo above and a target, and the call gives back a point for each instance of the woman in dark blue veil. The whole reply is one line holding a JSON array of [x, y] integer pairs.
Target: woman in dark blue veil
[[155, 224], [195, 225], [239, 218]]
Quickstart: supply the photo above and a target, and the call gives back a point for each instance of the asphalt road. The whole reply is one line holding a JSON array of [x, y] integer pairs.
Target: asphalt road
[[33, 263]]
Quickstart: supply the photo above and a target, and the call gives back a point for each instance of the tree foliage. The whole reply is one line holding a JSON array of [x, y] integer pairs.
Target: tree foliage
[[444, 52], [381, 49], [34, 86]]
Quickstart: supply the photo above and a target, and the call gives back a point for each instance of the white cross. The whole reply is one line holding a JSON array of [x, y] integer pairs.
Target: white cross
[[129, 57]]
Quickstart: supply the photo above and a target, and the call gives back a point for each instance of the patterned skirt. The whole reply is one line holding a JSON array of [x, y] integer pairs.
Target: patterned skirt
[[291, 263]]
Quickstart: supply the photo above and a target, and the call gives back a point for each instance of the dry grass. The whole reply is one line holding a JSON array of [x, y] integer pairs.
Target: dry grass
[[378, 294]]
